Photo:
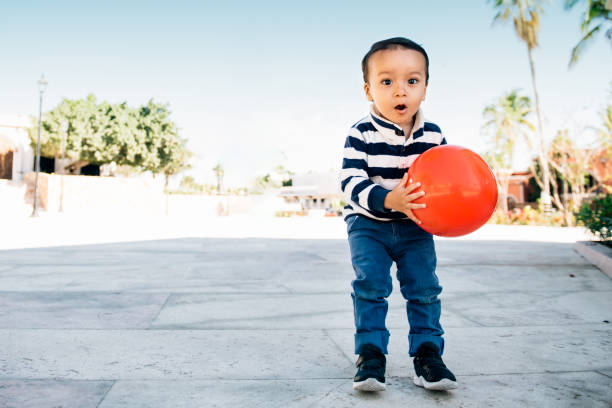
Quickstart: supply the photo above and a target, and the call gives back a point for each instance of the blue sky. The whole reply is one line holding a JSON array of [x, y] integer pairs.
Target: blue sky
[[257, 84]]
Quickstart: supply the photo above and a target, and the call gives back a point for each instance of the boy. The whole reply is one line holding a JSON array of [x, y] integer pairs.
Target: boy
[[382, 219]]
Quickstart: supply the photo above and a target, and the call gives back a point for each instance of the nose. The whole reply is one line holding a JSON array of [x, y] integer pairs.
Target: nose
[[399, 89]]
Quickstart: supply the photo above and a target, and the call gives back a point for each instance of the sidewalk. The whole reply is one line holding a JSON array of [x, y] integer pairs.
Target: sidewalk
[[239, 312]]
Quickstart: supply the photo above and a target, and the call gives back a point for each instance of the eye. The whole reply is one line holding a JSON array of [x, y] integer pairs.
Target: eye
[[412, 81], [386, 82]]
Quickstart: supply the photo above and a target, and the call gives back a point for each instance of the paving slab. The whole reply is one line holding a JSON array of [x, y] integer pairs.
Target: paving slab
[[52, 393], [157, 354], [83, 310], [551, 390], [538, 308], [506, 253], [505, 350], [198, 394], [498, 278], [268, 322], [256, 311], [606, 372], [137, 278]]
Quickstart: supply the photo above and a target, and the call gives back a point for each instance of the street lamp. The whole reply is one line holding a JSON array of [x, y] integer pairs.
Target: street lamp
[[42, 86]]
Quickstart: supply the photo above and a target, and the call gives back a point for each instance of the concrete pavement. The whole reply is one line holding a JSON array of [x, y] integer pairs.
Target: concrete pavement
[[232, 315]]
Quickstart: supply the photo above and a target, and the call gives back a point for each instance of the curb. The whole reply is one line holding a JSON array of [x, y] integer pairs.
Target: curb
[[597, 254]]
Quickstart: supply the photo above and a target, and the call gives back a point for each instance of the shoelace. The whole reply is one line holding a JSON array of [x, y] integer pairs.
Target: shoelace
[[431, 359], [370, 360], [371, 364]]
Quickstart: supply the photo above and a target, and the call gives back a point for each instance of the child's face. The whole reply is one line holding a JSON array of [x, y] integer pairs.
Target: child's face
[[396, 84]]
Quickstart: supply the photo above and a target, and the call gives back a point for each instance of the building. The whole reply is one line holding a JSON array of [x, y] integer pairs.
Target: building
[[521, 190], [314, 191], [601, 163], [16, 154]]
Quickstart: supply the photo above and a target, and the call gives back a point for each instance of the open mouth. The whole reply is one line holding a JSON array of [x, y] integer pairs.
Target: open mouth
[[400, 107]]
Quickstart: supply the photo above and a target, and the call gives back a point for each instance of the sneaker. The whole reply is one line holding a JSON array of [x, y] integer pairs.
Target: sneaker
[[370, 370], [430, 370]]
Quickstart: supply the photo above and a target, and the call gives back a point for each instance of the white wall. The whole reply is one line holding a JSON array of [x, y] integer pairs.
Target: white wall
[[13, 130]]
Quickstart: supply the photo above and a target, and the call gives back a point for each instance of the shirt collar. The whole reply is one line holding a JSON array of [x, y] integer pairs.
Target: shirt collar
[[390, 129]]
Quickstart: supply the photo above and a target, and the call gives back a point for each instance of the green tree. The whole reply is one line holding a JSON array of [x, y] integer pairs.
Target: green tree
[[572, 165], [188, 183], [174, 158], [595, 19], [285, 175], [161, 150], [99, 133], [605, 132], [262, 183], [525, 15], [119, 128], [219, 173], [507, 121], [72, 122]]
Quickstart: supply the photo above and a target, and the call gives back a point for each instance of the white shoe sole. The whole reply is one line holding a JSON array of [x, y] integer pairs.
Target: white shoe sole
[[442, 385], [369, 385]]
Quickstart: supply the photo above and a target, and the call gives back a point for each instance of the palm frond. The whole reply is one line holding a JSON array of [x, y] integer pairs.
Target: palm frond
[[581, 46], [569, 4]]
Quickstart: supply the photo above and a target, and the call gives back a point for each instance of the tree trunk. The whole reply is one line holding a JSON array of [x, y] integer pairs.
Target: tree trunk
[[534, 173], [555, 196], [219, 184], [545, 201], [503, 182], [567, 205], [166, 190]]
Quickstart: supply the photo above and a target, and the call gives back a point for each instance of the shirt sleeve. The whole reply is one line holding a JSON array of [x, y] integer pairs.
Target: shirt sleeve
[[355, 183]]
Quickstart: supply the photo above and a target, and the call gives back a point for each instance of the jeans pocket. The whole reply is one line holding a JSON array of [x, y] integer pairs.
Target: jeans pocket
[[357, 222], [350, 222]]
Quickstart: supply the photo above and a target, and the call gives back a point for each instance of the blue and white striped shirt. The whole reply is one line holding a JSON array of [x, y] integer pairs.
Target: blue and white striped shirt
[[376, 156]]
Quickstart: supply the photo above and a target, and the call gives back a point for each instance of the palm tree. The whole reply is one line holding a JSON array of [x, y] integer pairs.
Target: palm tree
[[526, 18], [507, 120], [598, 14], [219, 172], [605, 133]]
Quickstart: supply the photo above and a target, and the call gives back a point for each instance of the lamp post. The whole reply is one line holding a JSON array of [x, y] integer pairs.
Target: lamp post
[[42, 86]]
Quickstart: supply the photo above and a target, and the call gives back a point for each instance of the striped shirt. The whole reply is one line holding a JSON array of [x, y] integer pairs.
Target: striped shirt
[[376, 156]]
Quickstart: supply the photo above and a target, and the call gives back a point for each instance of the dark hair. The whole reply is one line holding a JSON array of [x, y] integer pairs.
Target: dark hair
[[392, 43]]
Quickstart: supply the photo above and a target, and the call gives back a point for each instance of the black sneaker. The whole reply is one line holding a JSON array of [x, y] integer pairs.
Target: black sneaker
[[370, 369], [430, 370]]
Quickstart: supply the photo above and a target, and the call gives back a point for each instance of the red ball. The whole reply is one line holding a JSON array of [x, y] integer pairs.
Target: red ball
[[460, 190]]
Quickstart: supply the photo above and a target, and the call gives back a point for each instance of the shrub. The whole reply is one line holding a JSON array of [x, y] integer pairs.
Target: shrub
[[528, 216], [597, 217]]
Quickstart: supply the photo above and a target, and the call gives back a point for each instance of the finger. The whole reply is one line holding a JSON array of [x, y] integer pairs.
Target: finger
[[404, 181], [414, 196], [411, 215], [413, 186], [414, 206]]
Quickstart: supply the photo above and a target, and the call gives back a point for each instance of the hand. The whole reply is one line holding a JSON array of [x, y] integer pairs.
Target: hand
[[400, 198]]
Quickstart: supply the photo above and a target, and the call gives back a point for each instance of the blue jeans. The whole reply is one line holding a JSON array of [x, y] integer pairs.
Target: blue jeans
[[375, 245]]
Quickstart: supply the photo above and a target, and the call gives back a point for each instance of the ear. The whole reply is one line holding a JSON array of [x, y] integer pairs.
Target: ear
[[366, 88]]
